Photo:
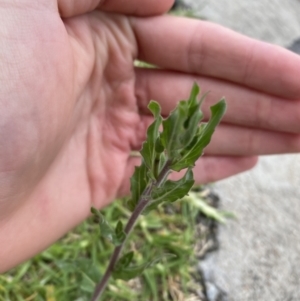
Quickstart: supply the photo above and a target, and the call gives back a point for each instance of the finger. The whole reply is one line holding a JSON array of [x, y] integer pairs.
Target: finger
[[230, 140], [239, 141], [207, 169], [234, 140], [210, 169], [203, 48], [71, 8], [245, 107]]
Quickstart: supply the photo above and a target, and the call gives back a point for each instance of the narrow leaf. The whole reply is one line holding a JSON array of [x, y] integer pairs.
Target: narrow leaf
[[193, 103], [131, 272], [217, 112], [171, 191], [138, 181], [119, 227], [162, 161], [159, 148], [124, 261], [120, 235], [106, 230], [130, 204], [148, 151], [194, 151], [194, 116], [191, 127], [193, 96], [207, 210], [172, 127]]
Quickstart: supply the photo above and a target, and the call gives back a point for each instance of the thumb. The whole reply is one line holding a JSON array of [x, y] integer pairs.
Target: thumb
[[71, 8]]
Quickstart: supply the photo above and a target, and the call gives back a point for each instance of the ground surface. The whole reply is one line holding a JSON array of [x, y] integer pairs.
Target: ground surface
[[259, 256]]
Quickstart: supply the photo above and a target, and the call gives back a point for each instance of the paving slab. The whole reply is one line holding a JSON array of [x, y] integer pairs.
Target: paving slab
[[275, 21], [259, 254]]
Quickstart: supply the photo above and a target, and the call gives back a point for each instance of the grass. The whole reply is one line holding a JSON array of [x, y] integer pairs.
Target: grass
[[69, 269]]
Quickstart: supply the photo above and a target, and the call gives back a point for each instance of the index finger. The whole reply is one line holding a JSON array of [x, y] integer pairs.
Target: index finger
[[203, 48], [71, 8]]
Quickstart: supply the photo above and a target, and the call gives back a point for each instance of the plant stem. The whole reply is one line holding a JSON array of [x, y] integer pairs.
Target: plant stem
[[142, 204]]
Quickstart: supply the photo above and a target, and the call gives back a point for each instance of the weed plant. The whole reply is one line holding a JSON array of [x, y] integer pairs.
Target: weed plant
[[70, 269]]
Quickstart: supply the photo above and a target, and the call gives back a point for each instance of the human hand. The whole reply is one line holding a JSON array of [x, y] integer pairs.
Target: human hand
[[72, 106]]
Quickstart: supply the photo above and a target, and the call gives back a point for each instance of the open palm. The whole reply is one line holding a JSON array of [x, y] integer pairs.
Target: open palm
[[73, 107]]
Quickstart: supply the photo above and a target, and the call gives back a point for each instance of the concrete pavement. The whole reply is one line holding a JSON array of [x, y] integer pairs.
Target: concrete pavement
[[259, 255]]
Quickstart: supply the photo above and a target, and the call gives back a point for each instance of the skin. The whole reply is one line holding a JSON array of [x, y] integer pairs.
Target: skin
[[73, 107]]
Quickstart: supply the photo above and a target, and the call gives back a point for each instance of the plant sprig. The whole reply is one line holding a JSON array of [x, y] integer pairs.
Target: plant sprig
[[176, 147]]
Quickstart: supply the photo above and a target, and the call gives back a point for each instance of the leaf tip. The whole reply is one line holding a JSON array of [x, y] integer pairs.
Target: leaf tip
[[94, 210]]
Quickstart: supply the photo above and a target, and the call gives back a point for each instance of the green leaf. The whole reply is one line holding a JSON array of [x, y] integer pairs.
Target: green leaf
[[162, 161], [94, 211], [217, 112], [106, 230], [193, 103], [87, 284], [194, 117], [172, 127], [190, 155], [159, 148], [119, 228], [171, 191], [181, 126], [155, 109], [130, 204], [116, 236], [192, 124], [209, 211], [124, 261], [120, 235], [130, 272], [148, 151], [193, 96], [138, 182]]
